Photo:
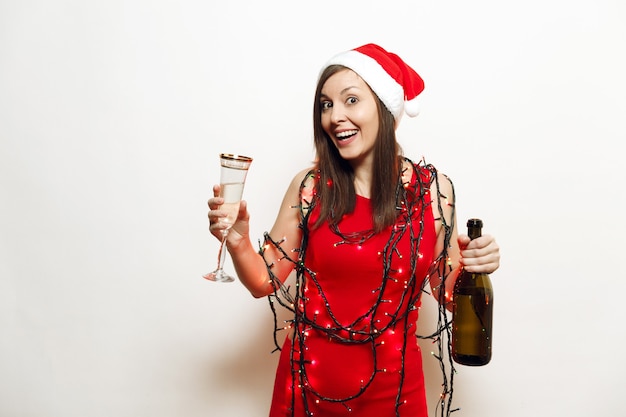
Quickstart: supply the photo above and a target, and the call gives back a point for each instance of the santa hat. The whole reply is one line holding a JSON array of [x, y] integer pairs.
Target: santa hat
[[394, 82]]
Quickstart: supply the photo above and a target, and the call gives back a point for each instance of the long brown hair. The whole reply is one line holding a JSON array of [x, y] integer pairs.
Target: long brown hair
[[336, 182]]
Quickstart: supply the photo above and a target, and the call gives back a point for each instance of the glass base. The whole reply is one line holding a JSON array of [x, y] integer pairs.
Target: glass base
[[218, 276]]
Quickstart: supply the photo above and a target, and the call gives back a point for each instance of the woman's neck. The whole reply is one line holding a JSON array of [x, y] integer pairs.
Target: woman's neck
[[363, 183]]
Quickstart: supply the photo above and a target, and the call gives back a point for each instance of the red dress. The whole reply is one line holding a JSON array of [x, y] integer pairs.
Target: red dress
[[354, 351]]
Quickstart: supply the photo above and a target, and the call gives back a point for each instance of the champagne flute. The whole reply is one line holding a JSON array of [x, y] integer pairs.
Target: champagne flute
[[234, 169]]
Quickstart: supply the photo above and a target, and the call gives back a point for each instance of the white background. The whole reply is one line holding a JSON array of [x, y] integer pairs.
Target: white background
[[112, 114]]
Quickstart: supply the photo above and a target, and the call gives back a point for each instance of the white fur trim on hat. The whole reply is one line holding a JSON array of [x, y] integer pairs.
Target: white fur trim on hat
[[386, 88]]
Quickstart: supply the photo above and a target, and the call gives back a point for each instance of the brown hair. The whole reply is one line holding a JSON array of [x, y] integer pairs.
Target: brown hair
[[336, 182]]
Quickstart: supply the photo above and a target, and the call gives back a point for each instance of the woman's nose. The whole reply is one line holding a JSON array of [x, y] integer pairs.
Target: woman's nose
[[337, 114]]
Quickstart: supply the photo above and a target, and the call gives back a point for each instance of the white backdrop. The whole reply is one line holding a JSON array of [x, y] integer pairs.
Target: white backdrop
[[112, 114]]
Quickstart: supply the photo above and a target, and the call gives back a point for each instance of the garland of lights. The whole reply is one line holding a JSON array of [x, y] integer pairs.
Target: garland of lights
[[412, 198]]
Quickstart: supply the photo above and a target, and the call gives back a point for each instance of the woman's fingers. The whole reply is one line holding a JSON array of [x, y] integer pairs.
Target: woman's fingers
[[481, 255], [215, 215]]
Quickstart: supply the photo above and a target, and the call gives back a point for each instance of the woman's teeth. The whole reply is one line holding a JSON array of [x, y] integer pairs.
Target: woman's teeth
[[346, 134]]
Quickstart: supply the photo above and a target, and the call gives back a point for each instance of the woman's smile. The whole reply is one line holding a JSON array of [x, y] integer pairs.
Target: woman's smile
[[350, 115]]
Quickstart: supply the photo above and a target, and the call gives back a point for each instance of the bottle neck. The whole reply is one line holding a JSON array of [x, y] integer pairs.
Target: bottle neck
[[474, 232], [474, 228]]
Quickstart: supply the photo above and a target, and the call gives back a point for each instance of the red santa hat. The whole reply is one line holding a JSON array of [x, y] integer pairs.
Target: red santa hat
[[392, 80]]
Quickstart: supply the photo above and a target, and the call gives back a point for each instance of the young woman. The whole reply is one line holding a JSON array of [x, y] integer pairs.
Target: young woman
[[367, 231]]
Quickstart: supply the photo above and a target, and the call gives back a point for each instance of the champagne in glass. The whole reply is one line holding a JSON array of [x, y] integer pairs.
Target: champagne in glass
[[234, 169]]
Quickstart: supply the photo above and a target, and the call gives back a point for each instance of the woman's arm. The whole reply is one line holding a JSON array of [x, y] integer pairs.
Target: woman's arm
[[250, 267], [442, 192], [480, 255]]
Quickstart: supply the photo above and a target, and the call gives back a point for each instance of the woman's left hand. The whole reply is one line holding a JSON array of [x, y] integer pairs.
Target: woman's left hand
[[480, 255]]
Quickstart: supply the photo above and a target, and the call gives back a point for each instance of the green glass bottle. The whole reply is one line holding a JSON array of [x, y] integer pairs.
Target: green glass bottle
[[472, 312]]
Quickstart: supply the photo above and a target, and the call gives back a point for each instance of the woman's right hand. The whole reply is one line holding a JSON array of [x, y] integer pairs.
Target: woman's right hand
[[217, 225]]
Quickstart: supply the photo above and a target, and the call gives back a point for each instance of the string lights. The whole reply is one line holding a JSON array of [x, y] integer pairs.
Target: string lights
[[386, 326]]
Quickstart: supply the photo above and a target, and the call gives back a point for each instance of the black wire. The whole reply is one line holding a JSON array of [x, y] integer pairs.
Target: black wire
[[410, 197]]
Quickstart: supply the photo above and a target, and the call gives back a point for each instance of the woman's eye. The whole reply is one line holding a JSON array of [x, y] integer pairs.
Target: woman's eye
[[352, 100], [326, 105]]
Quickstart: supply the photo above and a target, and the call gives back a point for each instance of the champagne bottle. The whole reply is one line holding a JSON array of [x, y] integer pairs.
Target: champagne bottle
[[472, 312]]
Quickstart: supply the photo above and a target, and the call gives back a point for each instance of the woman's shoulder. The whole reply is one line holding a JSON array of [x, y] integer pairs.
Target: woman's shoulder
[[302, 189], [302, 185], [426, 171], [424, 175], [304, 178], [308, 181], [413, 171]]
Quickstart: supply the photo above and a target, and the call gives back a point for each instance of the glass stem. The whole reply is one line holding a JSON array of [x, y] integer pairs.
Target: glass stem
[[221, 256]]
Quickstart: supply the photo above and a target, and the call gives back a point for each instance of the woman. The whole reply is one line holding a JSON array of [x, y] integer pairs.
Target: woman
[[366, 231]]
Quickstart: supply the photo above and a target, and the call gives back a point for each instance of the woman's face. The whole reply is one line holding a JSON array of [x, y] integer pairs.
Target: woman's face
[[350, 116]]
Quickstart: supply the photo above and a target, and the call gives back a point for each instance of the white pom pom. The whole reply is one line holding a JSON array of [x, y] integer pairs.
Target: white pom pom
[[412, 107]]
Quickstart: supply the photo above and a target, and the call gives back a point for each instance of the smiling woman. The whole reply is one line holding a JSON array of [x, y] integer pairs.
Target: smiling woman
[[350, 117], [377, 129], [367, 231]]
